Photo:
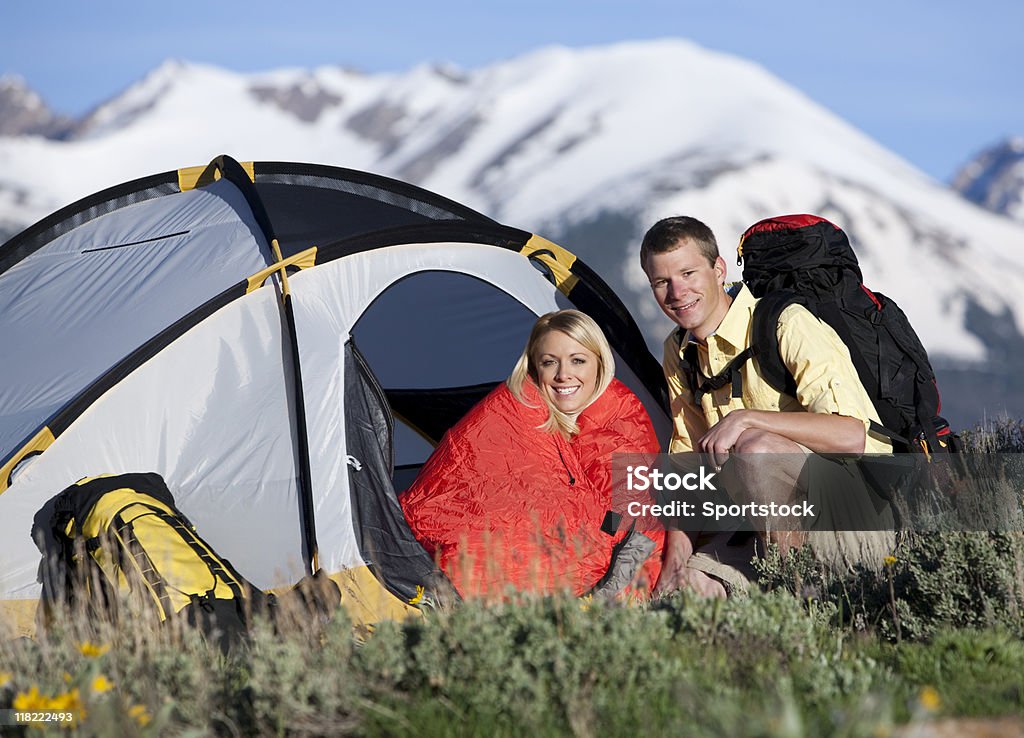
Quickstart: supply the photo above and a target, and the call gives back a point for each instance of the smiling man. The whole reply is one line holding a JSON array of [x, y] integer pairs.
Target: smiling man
[[774, 435]]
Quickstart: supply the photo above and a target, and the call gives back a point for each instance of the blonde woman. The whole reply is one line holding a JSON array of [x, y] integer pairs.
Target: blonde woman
[[515, 494]]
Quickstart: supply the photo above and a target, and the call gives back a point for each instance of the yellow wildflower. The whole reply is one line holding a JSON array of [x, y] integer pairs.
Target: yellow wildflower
[[889, 560], [69, 701], [91, 650], [930, 699], [30, 701], [140, 714], [418, 597], [101, 684], [35, 701], [6, 678]]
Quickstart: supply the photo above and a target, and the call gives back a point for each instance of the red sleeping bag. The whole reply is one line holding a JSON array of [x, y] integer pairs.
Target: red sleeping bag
[[501, 503]]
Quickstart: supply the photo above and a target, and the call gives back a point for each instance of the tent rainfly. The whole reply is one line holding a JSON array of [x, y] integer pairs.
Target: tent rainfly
[[283, 343]]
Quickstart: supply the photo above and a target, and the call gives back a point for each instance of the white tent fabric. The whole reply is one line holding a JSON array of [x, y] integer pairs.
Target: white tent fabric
[[217, 429], [224, 386], [221, 428], [107, 286], [328, 301]]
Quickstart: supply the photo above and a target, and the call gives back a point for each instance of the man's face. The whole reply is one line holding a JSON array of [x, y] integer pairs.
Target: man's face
[[689, 289]]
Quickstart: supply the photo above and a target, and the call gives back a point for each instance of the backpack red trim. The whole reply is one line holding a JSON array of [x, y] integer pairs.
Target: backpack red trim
[[869, 293], [786, 223]]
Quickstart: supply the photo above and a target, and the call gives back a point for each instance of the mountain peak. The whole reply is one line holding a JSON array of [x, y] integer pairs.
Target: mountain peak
[[994, 178], [120, 111], [23, 112]]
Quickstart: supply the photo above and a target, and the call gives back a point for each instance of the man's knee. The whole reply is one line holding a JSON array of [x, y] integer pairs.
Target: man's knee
[[767, 467], [753, 441]]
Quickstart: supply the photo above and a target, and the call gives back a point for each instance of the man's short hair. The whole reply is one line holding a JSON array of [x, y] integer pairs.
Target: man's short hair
[[668, 234]]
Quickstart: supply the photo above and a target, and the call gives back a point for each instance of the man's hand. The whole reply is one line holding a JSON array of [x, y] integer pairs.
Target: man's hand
[[721, 438], [820, 432]]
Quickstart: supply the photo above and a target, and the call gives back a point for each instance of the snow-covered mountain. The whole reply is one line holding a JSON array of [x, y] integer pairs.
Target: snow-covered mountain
[[587, 147], [22, 111], [994, 178]]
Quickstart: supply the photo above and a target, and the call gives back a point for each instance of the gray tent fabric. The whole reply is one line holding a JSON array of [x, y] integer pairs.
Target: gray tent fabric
[[384, 537], [100, 290], [209, 413]]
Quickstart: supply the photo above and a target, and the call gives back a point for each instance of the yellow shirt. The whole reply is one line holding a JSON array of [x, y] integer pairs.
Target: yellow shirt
[[819, 361]]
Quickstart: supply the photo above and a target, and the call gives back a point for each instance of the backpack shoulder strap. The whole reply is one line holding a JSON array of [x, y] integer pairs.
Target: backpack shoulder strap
[[700, 385], [764, 337], [689, 365]]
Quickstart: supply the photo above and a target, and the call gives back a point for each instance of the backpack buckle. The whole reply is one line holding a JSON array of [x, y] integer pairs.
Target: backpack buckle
[[203, 600]]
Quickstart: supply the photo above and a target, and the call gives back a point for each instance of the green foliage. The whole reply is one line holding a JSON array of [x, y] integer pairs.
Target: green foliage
[[935, 632], [975, 672], [528, 666], [297, 684], [934, 581], [965, 580], [773, 645], [768, 665]]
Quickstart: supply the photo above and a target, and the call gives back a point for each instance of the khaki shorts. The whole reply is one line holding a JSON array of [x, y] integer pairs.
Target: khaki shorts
[[855, 529]]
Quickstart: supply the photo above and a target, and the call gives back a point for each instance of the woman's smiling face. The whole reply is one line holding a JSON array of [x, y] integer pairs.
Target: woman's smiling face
[[566, 371]]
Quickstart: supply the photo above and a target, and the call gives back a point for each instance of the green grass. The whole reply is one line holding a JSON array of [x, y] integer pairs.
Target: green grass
[[770, 665]]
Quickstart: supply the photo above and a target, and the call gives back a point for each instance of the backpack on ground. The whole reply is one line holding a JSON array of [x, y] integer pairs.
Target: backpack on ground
[[108, 540], [808, 260]]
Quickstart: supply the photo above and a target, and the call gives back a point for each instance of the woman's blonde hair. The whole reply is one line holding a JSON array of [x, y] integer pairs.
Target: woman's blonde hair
[[580, 328]]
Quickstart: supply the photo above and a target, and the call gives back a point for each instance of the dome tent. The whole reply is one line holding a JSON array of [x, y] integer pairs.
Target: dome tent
[[283, 343]]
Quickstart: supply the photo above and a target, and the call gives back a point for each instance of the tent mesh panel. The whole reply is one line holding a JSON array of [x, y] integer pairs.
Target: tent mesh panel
[[428, 210], [385, 540]]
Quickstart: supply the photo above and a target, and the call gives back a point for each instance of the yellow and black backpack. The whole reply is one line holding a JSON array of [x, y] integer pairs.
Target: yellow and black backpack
[[111, 540]]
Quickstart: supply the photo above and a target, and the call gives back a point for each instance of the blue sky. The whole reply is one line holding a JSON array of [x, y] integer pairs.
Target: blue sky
[[934, 81]]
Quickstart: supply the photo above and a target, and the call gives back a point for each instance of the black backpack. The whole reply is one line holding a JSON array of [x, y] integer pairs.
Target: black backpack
[[807, 260]]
